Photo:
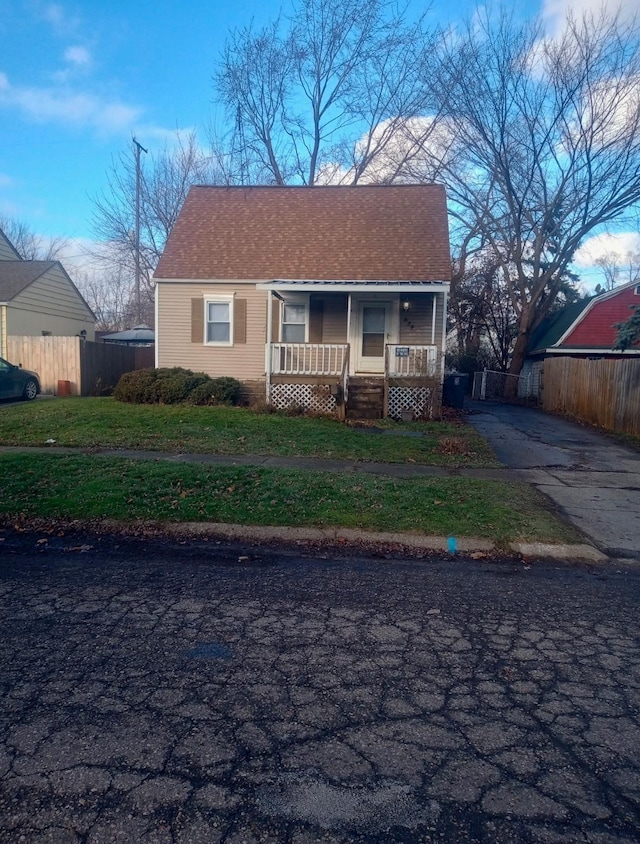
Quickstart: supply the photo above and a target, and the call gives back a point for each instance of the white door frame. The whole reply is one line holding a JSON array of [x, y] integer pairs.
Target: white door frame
[[374, 366]]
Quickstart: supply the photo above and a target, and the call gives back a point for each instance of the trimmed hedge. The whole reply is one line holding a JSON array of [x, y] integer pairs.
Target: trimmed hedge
[[176, 386]]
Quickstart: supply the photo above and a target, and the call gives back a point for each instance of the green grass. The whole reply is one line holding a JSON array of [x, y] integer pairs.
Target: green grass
[[89, 487], [103, 422]]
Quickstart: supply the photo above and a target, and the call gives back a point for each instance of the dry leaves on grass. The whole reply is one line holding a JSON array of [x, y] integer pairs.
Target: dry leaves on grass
[[453, 445]]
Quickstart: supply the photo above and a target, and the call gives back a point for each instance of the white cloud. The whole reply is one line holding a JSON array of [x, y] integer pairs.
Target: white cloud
[[400, 151], [555, 12], [78, 56], [58, 105], [150, 134], [77, 254], [58, 18], [603, 245]]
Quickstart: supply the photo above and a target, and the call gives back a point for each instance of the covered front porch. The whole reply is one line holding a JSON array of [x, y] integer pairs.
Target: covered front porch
[[360, 349]]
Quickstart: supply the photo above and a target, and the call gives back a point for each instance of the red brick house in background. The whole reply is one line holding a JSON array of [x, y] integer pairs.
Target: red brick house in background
[[583, 329], [330, 298]]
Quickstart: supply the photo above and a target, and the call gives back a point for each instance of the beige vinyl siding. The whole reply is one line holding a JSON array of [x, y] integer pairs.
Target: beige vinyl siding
[[50, 303], [334, 319], [244, 361], [416, 323]]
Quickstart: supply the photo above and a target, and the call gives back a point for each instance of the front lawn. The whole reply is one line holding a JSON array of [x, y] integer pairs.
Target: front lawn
[[105, 423], [88, 487]]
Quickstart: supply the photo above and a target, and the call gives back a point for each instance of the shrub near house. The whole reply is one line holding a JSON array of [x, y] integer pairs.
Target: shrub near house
[[175, 386]]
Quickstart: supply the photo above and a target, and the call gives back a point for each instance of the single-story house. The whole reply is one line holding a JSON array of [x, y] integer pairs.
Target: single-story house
[[584, 329], [38, 298], [329, 298]]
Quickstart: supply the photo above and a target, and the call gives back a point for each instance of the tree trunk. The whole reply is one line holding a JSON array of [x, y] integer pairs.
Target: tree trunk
[[515, 367]]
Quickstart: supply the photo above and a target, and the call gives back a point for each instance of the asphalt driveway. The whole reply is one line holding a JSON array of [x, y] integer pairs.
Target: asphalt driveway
[[593, 481]]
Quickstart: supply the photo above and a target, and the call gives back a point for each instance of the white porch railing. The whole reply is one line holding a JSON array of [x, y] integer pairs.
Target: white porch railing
[[308, 358], [403, 361]]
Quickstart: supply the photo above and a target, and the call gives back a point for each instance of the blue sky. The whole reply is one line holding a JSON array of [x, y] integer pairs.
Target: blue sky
[[78, 79]]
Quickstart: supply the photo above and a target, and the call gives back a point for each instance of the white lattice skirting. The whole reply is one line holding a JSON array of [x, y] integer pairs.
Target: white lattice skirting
[[420, 400], [314, 397]]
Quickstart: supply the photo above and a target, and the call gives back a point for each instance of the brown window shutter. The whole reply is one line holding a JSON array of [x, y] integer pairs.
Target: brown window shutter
[[239, 321], [275, 321], [315, 320], [197, 320]]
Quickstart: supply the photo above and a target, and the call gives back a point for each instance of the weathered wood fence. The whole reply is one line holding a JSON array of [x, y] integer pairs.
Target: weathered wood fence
[[603, 392], [90, 368]]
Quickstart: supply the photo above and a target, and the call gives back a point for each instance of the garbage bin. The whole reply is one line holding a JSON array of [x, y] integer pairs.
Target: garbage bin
[[454, 388]]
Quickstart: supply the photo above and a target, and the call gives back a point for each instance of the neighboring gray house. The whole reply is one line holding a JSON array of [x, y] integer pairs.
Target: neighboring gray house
[[38, 298]]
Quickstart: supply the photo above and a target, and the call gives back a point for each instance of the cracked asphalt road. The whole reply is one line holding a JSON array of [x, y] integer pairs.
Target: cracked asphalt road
[[207, 692]]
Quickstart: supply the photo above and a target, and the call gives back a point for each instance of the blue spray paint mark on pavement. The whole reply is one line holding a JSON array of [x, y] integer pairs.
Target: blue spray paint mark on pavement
[[210, 650], [451, 545]]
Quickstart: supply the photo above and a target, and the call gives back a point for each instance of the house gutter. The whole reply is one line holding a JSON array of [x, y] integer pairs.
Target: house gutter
[[345, 286]]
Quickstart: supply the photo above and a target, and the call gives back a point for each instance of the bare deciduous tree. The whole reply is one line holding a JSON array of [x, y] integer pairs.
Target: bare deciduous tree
[[300, 93], [618, 269], [29, 245], [546, 145], [165, 181], [483, 320], [108, 290]]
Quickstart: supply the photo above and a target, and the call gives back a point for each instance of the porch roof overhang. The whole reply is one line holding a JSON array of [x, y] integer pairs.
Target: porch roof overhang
[[307, 285]]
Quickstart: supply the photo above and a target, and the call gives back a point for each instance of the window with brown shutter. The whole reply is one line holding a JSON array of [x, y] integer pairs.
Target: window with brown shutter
[[197, 321], [239, 321], [219, 320], [275, 321]]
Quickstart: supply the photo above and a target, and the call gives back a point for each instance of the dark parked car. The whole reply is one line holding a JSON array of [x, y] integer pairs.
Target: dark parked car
[[17, 383]]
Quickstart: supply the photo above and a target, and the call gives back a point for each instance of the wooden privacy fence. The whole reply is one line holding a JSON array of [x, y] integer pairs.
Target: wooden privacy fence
[[603, 392], [90, 368]]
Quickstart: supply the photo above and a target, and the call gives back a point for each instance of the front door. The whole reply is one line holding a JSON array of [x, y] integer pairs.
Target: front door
[[373, 335]]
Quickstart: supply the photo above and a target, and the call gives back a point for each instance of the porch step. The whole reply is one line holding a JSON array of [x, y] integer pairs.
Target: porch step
[[366, 398]]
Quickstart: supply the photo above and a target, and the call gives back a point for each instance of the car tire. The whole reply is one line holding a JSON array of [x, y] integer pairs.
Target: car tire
[[30, 390]]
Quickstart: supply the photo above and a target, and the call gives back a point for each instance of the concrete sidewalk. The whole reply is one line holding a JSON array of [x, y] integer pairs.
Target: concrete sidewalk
[[315, 464], [593, 481]]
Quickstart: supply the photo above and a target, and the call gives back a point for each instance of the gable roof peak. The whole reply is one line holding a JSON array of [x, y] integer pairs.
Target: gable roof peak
[[358, 232]]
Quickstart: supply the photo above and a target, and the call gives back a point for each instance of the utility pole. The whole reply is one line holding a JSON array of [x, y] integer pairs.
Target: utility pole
[[138, 149]]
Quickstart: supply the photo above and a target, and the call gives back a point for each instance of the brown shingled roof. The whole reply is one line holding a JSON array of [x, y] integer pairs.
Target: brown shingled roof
[[391, 232], [16, 275]]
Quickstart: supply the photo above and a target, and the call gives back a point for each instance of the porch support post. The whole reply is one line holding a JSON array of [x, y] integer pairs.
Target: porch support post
[[444, 332], [349, 329], [434, 299], [267, 354]]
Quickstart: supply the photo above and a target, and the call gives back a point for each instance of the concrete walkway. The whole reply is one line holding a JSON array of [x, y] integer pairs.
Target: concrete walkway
[[593, 481], [316, 464]]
